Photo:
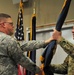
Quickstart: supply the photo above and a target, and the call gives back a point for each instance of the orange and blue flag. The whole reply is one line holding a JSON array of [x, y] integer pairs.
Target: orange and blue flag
[[47, 55]]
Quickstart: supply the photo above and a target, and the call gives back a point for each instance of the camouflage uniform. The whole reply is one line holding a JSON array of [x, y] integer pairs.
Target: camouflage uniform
[[12, 53], [67, 67]]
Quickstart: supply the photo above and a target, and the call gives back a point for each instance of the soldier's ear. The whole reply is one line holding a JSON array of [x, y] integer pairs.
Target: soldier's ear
[[3, 24]]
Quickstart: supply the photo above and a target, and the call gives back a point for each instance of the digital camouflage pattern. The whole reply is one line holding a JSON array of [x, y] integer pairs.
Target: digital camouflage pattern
[[12, 53], [67, 67]]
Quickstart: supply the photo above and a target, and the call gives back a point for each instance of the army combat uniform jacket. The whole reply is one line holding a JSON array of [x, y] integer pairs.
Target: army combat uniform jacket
[[67, 67], [12, 53]]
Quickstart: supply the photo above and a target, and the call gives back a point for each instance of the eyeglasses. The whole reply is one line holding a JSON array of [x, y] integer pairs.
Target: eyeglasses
[[11, 23]]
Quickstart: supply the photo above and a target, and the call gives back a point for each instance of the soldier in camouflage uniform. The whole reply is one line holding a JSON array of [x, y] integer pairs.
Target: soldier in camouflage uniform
[[67, 67], [12, 52]]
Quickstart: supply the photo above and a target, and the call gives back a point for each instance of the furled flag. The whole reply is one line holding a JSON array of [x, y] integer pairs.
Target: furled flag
[[32, 54], [19, 34], [48, 53]]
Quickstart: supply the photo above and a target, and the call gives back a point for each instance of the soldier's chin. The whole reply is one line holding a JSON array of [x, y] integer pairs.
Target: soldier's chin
[[11, 34]]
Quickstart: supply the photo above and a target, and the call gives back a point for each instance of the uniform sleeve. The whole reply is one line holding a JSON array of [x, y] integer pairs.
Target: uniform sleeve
[[17, 55], [32, 45], [60, 68], [67, 46]]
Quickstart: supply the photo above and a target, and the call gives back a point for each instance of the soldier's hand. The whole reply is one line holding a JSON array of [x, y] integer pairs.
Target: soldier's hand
[[56, 34]]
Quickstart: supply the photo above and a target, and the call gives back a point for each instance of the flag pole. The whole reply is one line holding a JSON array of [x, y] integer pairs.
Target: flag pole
[[19, 34], [32, 54]]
